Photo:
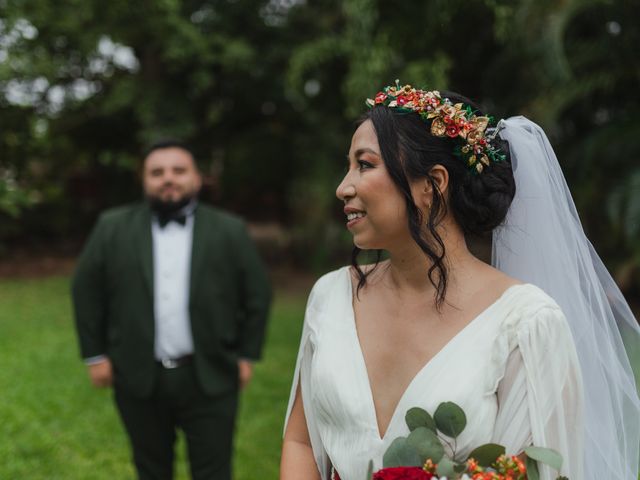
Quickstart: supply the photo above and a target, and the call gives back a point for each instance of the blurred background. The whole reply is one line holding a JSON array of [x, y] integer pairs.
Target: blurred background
[[267, 93]]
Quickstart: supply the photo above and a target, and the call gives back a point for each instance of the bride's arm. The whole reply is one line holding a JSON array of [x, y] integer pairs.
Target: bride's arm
[[540, 399], [297, 456]]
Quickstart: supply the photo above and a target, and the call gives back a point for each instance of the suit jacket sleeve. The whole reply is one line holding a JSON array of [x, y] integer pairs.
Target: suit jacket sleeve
[[256, 293], [88, 294]]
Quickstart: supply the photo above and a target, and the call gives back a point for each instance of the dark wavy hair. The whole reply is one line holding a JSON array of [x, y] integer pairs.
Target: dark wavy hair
[[478, 203]]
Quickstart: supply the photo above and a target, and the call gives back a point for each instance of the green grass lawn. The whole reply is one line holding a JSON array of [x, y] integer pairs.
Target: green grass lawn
[[54, 425]]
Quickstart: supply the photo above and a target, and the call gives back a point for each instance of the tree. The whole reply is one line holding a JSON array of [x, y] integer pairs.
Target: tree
[[267, 92]]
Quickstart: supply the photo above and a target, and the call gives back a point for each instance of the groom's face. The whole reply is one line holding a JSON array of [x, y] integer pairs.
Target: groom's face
[[170, 176]]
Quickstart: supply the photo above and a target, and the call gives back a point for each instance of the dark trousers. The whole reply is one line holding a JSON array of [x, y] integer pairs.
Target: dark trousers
[[178, 402]]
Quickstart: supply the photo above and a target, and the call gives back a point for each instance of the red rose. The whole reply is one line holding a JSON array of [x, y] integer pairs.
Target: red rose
[[402, 100], [402, 473], [453, 131]]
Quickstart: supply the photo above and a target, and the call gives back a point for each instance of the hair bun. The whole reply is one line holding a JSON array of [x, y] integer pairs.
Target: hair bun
[[483, 201]]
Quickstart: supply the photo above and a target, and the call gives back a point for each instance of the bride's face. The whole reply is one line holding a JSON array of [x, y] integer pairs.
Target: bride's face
[[375, 209]]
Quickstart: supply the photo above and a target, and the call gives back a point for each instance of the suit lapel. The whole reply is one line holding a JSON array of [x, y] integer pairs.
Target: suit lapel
[[197, 249], [144, 245]]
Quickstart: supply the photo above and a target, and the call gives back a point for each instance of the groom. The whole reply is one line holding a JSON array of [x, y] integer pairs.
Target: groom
[[171, 301]]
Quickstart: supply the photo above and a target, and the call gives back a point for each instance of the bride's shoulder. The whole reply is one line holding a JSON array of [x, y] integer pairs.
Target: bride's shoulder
[[326, 286], [329, 279], [522, 299], [496, 278], [529, 308], [528, 298], [520, 292]]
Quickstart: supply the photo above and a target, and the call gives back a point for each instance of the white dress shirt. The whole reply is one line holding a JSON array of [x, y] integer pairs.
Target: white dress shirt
[[171, 284]]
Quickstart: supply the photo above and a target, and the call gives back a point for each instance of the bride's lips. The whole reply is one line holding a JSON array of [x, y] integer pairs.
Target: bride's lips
[[354, 216]]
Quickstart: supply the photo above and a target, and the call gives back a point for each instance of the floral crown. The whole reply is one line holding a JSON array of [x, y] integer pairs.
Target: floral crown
[[447, 120]]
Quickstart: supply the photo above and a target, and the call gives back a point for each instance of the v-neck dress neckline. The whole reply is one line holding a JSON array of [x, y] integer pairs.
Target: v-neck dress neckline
[[470, 326]]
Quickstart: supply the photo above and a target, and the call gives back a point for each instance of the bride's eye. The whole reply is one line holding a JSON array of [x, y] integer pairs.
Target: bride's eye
[[364, 165]]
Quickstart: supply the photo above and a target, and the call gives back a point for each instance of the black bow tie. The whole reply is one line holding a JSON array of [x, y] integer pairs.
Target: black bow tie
[[180, 218]]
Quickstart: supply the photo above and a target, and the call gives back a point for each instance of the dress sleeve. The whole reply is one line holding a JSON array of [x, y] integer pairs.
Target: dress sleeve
[[540, 397], [302, 374]]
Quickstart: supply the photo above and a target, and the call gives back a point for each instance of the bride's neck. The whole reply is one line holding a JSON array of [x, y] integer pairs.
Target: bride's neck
[[408, 264]]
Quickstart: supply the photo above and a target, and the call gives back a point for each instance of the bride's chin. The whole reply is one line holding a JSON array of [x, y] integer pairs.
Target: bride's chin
[[360, 245], [364, 244]]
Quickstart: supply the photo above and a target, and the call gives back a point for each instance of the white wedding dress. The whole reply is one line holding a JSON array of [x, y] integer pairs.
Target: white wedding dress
[[513, 369]]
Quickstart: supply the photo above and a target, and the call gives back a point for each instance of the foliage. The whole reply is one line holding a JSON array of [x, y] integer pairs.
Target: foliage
[[12, 197], [96, 85], [422, 451], [266, 91]]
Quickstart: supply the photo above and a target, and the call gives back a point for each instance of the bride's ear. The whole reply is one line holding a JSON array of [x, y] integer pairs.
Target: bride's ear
[[423, 187], [440, 177]]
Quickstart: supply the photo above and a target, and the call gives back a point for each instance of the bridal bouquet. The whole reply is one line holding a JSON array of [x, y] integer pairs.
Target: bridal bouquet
[[421, 455]]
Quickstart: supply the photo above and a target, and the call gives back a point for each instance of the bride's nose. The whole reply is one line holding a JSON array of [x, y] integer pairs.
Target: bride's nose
[[346, 189]]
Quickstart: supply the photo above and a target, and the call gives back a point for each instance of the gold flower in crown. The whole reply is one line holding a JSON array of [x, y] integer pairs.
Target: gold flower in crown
[[456, 121]]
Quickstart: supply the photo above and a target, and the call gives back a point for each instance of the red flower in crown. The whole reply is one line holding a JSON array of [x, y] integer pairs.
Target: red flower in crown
[[402, 473], [402, 100], [380, 97], [453, 130]]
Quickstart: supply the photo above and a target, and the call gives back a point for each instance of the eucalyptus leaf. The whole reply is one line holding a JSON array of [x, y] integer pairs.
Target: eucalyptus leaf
[[426, 444], [532, 469], [545, 455], [370, 470], [446, 468], [460, 467], [401, 454], [418, 417], [487, 454], [450, 419]]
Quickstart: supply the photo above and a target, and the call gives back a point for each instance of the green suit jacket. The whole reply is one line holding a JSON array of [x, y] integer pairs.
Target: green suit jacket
[[113, 297]]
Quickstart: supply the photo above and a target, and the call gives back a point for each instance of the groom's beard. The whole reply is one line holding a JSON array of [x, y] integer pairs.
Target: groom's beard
[[166, 208]]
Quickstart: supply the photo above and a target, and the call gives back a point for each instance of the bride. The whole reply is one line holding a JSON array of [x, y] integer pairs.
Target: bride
[[530, 347]]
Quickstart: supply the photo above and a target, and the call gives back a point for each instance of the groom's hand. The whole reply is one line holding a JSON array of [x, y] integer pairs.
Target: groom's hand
[[101, 373], [245, 371]]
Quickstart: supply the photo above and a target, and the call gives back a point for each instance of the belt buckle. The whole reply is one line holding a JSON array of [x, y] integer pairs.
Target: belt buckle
[[169, 363]]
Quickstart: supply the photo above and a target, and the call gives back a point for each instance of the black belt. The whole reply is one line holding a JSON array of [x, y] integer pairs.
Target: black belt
[[176, 362]]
